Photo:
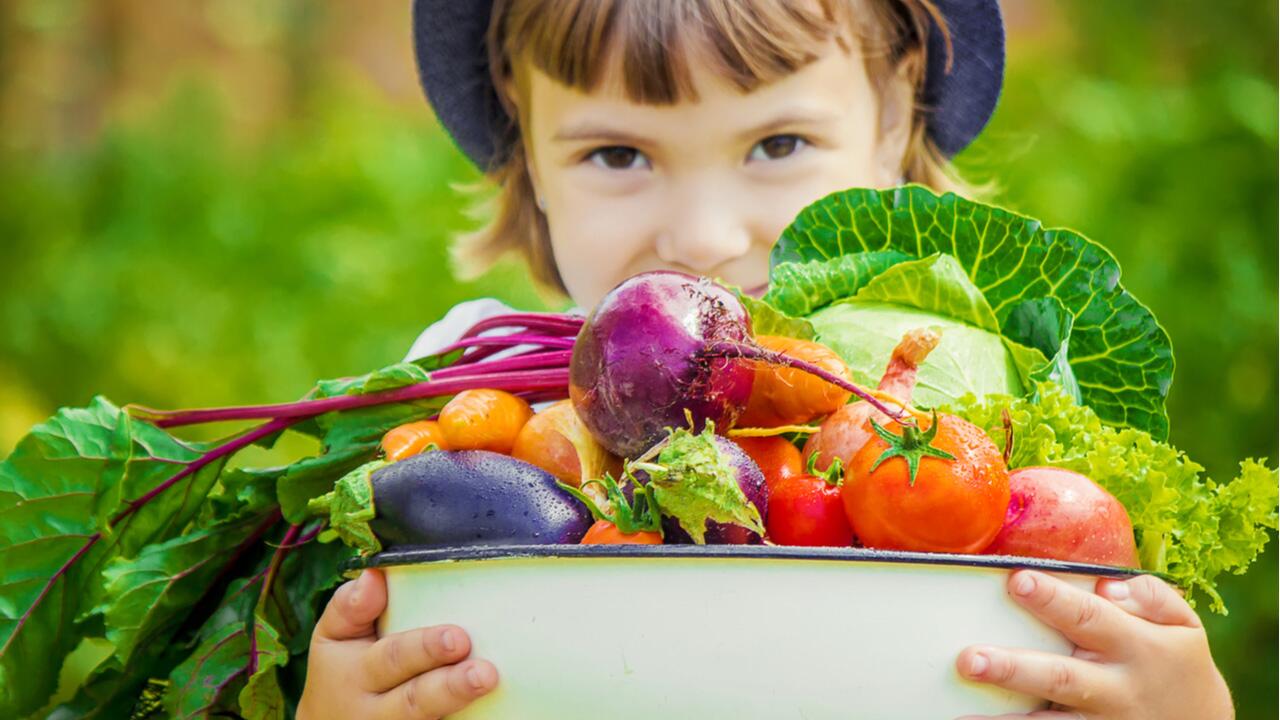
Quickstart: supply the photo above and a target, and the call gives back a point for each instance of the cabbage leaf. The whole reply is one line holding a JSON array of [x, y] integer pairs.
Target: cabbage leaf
[[1050, 289]]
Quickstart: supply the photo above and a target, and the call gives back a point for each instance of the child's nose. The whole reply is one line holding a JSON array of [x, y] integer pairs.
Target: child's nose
[[703, 234]]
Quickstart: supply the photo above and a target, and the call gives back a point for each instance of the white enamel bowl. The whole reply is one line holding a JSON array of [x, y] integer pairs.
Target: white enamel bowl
[[722, 632]]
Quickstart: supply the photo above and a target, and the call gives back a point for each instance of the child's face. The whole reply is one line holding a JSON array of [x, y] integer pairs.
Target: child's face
[[701, 186]]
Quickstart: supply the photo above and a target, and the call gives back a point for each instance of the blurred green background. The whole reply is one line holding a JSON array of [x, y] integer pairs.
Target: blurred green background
[[221, 201]]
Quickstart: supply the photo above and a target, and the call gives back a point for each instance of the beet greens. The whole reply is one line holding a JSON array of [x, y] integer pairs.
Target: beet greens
[[205, 579]]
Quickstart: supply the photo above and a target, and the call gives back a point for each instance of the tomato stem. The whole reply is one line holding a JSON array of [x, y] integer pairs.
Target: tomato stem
[[911, 445]]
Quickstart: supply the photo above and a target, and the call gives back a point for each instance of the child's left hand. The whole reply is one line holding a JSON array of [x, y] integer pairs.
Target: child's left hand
[[1141, 653]]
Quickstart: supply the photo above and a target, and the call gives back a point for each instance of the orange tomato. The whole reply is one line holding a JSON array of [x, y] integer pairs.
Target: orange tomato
[[955, 505], [484, 420], [604, 532], [412, 438], [787, 396]]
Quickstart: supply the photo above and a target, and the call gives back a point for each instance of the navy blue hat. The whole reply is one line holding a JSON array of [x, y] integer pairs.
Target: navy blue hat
[[453, 65]]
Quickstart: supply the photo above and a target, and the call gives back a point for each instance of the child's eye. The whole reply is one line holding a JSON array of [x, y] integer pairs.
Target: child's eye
[[776, 147], [618, 157]]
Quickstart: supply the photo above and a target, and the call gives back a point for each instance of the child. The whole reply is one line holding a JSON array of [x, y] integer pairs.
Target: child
[[687, 134]]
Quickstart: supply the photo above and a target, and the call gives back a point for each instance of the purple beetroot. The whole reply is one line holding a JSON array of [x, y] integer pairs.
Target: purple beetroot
[[644, 361]]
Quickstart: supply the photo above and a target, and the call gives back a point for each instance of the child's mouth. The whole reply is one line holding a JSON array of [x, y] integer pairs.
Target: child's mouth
[[758, 291]]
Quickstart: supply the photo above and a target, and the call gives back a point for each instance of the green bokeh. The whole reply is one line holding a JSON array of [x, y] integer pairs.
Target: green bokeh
[[172, 260]]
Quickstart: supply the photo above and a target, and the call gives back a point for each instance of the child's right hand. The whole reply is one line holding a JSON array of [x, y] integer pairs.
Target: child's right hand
[[412, 675]]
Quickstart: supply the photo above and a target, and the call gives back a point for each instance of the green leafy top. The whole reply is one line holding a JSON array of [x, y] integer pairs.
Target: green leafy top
[[349, 508], [1119, 356], [693, 481]]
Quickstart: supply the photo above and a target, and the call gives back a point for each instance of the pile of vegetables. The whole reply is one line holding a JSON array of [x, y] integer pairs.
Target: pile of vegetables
[[924, 373]]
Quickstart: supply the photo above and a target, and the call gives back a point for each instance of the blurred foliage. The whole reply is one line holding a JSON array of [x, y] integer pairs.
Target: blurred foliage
[[220, 202]]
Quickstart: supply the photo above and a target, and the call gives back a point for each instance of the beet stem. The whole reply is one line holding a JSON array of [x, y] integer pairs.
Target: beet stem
[[516, 381], [550, 323], [277, 557], [194, 466], [509, 341], [524, 361], [753, 352]]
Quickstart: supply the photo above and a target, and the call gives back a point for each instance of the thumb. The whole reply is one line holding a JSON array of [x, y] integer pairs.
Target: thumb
[[353, 608], [1149, 598]]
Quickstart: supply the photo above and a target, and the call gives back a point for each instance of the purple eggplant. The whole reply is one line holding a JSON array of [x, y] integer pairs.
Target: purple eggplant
[[703, 482], [472, 497]]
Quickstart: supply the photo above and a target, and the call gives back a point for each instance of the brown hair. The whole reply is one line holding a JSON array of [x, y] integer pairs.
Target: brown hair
[[754, 42]]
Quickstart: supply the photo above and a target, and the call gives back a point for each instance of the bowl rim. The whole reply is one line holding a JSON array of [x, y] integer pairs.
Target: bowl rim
[[424, 555]]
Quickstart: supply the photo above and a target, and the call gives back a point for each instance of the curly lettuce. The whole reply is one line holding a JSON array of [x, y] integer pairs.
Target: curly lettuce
[[1188, 527]]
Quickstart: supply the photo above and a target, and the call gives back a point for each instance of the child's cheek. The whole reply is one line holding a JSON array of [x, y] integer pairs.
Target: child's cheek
[[594, 250]]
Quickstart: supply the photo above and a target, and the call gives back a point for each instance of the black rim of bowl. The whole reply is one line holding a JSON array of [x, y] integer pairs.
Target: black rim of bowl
[[421, 555]]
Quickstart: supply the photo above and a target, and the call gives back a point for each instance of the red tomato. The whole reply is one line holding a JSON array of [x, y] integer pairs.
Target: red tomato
[[604, 532], [953, 505], [807, 510], [775, 456]]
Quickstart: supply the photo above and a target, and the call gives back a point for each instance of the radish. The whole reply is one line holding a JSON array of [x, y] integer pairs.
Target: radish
[[664, 350], [1062, 515]]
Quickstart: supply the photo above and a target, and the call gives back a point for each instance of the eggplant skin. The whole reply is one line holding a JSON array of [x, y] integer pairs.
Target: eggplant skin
[[473, 497], [751, 480]]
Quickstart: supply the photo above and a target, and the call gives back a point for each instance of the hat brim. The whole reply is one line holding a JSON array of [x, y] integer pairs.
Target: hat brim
[[453, 67]]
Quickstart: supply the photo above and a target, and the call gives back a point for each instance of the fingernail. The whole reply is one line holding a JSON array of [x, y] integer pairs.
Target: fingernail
[[356, 589], [1024, 584], [449, 642], [473, 677], [1117, 590], [978, 664]]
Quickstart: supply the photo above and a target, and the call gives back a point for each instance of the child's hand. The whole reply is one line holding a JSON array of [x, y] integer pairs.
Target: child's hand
[[1141, 654], [413, 675]]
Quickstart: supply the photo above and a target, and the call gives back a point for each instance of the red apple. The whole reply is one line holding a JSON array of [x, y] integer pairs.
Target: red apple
[[1063, 515]]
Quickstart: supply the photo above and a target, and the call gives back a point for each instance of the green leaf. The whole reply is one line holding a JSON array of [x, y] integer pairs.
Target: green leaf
[[306, 577], [800, 287], [766, 320], [56, 493], [693, 482], [240, 492], [151, 593], [218, 670], [367, 425], [1044, 325], [310, 478], [387, 378], [261, 698], [935, 284], [1186, 525], [349, 507], [350, 438], [1120, 356]]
